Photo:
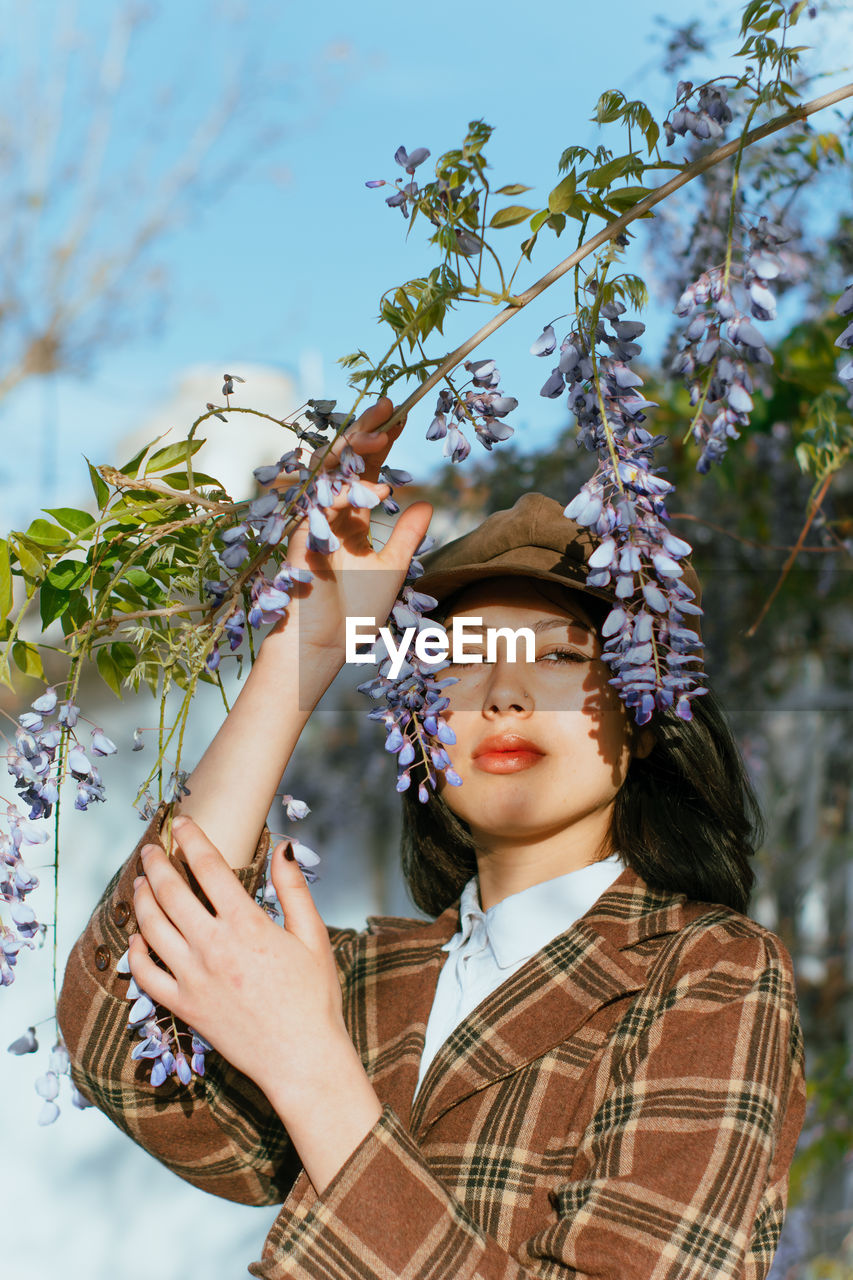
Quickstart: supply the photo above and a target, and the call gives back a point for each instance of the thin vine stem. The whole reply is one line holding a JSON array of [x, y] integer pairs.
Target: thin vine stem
[[691, 171]]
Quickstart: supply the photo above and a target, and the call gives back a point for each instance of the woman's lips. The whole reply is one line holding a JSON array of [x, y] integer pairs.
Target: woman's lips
[[509, 759], [506, 761]]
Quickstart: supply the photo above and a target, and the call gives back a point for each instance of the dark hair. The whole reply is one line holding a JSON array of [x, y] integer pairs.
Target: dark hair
[[686, 818]]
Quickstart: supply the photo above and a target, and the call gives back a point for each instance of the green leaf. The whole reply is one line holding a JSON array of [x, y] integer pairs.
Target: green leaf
[[45, 534], [68, 574], [102, 493], [109, 669], [28, 659], [563, 194], [115, 661], [609, 106], [527, 245], [181, 452], [557, 222], [652, 135], [130, 468], [626, 197], [6, 598], [513, 189], [510, 216], [538, 220], [29, 556], [72, 519], [53, 601], [180, 480], [607, 173]]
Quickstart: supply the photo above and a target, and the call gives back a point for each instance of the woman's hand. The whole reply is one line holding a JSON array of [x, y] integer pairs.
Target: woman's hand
[[355, 580], [267, 998]]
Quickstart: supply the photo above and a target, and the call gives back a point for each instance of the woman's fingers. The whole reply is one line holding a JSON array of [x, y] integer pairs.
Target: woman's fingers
[[210, 869], [157, 984], [171, 891], [156, 927], [408, 533], [366, 435]]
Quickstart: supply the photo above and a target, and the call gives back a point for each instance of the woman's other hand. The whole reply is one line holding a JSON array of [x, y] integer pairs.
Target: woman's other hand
[[267, 998], [354, 580]]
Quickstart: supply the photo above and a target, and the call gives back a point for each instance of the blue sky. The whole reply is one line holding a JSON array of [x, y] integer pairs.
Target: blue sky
[[293, 258]]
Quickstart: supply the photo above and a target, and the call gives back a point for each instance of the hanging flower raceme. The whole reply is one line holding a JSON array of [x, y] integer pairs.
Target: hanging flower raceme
[[408, 161], [484, 408], [844, 307], [38, 767], [266, 519], [708, 116], [413, 698], [648, 640], [721, 340], [47, 1086]]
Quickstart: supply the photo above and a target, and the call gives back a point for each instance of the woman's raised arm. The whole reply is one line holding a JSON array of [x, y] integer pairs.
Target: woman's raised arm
[[221, 1133], [234, 784]]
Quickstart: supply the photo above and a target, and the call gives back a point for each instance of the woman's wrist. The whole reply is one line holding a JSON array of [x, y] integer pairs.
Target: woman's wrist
[[295, 665], [330, 1110]]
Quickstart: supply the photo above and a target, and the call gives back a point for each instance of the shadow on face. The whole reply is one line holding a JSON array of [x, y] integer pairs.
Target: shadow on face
[[569, 617]]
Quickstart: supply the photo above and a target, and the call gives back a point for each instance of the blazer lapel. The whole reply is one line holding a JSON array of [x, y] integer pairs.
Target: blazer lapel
[[538, 1007]]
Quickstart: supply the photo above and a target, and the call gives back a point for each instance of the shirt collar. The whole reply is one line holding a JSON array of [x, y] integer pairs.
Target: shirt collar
[[522, 923]]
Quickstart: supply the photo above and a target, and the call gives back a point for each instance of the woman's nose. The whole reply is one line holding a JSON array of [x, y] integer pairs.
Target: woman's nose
[[506, 688]]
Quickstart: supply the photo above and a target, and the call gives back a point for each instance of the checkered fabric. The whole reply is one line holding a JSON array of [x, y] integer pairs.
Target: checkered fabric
[[624, 1107]]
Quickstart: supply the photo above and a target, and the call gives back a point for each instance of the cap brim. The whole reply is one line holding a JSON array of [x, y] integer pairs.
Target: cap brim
[[444, 582]]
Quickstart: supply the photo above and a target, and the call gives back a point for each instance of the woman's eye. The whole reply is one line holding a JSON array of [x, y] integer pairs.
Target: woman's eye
[[565, 655]]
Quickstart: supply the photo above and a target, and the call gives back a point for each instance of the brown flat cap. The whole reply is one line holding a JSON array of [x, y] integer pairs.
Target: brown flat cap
[[532, 539]]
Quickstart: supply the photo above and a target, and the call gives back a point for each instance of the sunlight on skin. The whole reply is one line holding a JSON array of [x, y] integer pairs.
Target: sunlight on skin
[[535, 817]]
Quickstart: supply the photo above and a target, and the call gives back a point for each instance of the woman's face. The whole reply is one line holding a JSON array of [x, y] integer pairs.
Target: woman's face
[[579, 734]]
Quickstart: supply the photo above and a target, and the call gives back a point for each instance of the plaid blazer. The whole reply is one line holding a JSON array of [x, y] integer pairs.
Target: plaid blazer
[[624, 1107]]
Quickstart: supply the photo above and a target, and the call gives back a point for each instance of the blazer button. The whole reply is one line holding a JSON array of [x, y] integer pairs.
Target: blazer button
[[121, 913], [102, 957]]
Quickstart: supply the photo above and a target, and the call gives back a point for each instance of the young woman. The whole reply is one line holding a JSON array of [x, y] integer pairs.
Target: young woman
[[588, 1064]]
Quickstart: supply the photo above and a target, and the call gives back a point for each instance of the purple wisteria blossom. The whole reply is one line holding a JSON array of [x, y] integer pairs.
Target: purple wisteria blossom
[[648, 640], [483, 408], [707, 118], [159, 1039], [844, 307], [414, 700], [403, 194], [265, 521], [38, 763], [721, 341]]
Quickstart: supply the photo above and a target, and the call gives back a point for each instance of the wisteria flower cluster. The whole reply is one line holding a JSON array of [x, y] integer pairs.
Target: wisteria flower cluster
[[47, 1086], [844, 307], [264, 525], [709, 117], [647, 644], [158, 1032], [409, 162], [484, 408], [721, 340], [16, 882], [463, 239], [159, 1039], [306, 858], [34, 762], [414, 699], [46, 750]]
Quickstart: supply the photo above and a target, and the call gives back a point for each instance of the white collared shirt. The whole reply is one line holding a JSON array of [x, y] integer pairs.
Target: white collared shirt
[[490, 946]]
